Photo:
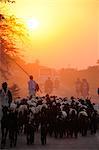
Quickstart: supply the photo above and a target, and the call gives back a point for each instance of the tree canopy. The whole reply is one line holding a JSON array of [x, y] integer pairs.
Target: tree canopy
[[9, 1], [11, 31]]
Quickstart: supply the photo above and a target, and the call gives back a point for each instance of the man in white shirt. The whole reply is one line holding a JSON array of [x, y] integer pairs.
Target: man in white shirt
[[5, 97], [32, 87]]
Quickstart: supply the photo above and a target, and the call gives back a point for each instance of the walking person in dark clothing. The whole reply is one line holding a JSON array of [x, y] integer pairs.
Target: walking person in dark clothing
[[30, 133], [5, 101], [30, 129], [43, 133], [93, 122]]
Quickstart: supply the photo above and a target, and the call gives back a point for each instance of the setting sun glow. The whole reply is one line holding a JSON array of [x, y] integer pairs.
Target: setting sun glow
[[61, 32], [32, 23]]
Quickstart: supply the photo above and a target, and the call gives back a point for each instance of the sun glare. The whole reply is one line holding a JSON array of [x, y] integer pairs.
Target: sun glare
[[32, 24]]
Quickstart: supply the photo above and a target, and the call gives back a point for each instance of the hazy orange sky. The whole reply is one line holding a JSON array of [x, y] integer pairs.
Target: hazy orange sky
[[67, 32]]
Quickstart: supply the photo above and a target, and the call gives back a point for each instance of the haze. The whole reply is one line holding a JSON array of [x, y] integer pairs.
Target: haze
[[67, 34]]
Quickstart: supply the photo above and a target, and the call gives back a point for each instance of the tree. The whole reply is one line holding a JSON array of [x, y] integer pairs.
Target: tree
[[11, 30], [9, 1]]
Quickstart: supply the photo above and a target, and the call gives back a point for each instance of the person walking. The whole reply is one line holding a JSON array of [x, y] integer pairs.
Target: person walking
[[5, 97], [33, 87]]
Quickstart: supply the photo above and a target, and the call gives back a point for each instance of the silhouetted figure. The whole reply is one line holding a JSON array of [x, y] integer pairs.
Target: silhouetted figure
[[13, 127], [48, 86], [73, 124], [5, 97], [4, 126], [85, 88], [43, 133], [78, 87], [93, 122], [30, 133]]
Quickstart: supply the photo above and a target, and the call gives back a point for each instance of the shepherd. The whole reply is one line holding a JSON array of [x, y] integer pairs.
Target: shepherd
[[33, 87], [5, 97]]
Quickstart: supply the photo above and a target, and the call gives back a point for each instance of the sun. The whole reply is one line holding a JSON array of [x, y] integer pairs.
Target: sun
[[32, 24]]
